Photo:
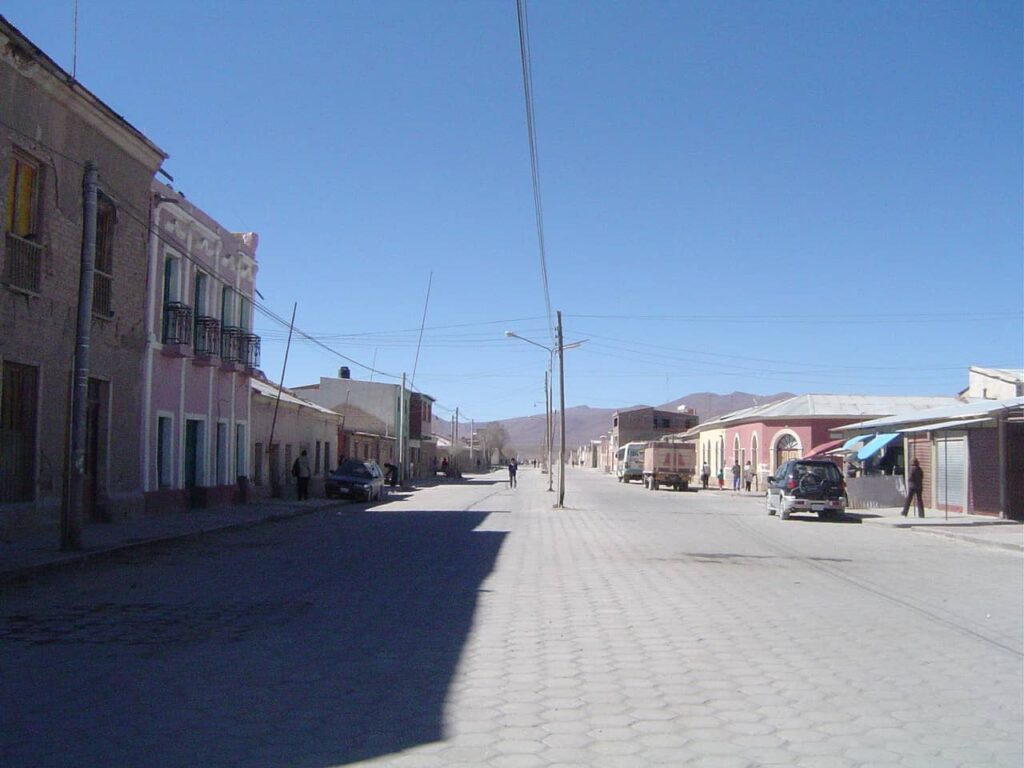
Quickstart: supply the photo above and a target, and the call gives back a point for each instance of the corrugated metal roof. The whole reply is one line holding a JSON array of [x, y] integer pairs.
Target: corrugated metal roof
[[978, 408], [1013, 375], [817, 405], [270, 390]]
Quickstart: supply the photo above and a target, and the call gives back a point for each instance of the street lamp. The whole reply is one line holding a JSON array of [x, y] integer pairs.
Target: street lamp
[[560, 347]]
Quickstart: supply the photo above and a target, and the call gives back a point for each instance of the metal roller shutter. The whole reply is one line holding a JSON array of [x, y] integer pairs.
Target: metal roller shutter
[[951, 472]]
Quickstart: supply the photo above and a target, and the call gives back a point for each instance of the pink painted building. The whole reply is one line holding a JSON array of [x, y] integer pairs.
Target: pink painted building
[[769, 435], [200, 356]]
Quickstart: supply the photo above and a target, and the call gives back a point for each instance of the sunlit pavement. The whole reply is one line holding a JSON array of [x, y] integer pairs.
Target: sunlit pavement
[[471, 624]]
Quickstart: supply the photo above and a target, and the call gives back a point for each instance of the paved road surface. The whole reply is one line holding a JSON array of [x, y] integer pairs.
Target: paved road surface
[[472, 625]]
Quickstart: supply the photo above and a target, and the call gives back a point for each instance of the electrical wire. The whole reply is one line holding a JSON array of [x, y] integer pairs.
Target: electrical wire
[[531, 133]]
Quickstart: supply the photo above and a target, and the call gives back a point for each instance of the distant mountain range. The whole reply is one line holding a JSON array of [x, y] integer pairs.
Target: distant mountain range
[[583, 423]]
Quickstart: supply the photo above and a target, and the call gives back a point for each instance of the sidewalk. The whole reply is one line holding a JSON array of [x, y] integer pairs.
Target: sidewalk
[[30, 552], [976, 529]]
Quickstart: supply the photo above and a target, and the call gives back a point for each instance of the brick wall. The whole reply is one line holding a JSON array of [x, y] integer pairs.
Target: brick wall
[[983, 468], [50, 127]]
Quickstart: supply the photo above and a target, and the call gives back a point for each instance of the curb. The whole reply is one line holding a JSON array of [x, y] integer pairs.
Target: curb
[[1005, 545], [81, 558]]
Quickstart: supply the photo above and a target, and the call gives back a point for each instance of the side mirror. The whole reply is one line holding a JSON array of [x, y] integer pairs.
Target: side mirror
[[771, 479]]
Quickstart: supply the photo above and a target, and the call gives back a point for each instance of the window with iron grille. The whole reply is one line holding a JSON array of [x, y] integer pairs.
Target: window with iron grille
[[103, 277], [24, 252]]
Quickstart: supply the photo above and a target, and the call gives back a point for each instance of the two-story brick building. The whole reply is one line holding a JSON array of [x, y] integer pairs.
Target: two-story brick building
[[50, 127], [644, 422]]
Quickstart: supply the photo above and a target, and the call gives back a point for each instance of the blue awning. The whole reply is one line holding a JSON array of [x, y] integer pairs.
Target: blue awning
[[877, 444], [858, 439]]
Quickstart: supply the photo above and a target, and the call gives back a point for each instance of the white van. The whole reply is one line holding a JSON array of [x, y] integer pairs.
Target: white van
[[629, 462]]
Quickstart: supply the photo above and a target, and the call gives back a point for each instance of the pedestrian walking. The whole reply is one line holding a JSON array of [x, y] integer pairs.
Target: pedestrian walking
[[705, 473], [721, 478], [302, 473], [736, 471], [748, 475], [915, 482], [512, 469]]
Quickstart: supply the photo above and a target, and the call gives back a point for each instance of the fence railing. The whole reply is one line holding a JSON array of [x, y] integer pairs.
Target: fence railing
[[177, 323], [207, 335]]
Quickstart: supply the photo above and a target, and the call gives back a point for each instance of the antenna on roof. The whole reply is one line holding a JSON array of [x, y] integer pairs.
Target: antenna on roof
[[74, 39]]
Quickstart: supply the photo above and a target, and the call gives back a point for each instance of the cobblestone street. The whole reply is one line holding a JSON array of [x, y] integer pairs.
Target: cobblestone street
[[472, 625]]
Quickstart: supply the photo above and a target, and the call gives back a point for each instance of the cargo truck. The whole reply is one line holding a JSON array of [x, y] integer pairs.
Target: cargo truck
[[670, 463]]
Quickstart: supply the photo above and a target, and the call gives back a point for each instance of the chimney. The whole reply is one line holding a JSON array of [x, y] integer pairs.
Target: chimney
[[344, 372]]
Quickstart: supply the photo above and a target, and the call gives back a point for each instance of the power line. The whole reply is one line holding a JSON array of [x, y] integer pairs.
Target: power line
[[531, 132]]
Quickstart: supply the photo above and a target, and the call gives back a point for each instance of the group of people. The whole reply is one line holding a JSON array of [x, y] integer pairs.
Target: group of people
[[746, 475]]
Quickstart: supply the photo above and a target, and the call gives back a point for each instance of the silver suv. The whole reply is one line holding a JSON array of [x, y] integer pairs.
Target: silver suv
[[805, 485]]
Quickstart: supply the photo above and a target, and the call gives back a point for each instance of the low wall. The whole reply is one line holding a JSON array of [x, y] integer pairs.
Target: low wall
[[873, 491]]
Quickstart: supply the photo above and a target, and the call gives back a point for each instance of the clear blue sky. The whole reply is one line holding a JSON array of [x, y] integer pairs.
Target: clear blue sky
[[813, 197]]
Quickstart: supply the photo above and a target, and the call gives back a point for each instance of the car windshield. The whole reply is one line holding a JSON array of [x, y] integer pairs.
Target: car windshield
[[353, 469], [823, 471]]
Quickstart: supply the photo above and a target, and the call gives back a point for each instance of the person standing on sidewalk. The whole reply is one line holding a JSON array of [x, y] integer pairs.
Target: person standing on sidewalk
[[736, 470], [302, 474], [748, 476], [915, 483], [705, 473], [512, 469]]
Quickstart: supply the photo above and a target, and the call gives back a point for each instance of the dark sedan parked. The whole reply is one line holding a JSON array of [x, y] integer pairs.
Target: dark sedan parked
[[354, 479]]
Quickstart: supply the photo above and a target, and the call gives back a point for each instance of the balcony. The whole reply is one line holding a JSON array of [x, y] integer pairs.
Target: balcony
[[23, 264], [207, 336], [250, 350], [231, 343], [177, 324]]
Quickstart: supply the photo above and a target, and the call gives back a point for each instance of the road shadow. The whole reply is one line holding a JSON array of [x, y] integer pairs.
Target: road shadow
[[317, 650]]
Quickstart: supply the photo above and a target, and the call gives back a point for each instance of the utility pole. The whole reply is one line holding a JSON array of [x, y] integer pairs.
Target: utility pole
[[400, 434], [275, 481], [71, 519], [561, 396], [472, 439], [456, 439]]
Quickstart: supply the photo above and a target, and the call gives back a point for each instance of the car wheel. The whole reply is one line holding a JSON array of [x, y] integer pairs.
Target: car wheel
[[783, 511], [768, 504]]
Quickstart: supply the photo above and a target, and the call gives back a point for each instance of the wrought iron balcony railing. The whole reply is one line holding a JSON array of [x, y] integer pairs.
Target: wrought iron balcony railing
[[177, 323], [23, 264], [207, 335], [231, 343], [250, 350]]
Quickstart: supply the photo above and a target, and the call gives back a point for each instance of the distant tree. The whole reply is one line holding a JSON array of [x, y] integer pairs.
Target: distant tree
[[495, 441]]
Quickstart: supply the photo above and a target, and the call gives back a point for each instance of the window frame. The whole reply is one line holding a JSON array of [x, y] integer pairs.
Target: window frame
[[20, 157], [103, 256]]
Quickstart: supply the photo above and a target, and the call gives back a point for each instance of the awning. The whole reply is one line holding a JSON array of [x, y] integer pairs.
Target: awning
[[940, 425], [877, 444], [820, 449], [858, 439]]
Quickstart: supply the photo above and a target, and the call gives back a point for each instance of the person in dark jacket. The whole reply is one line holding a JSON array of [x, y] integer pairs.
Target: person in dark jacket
[[915, 482]]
